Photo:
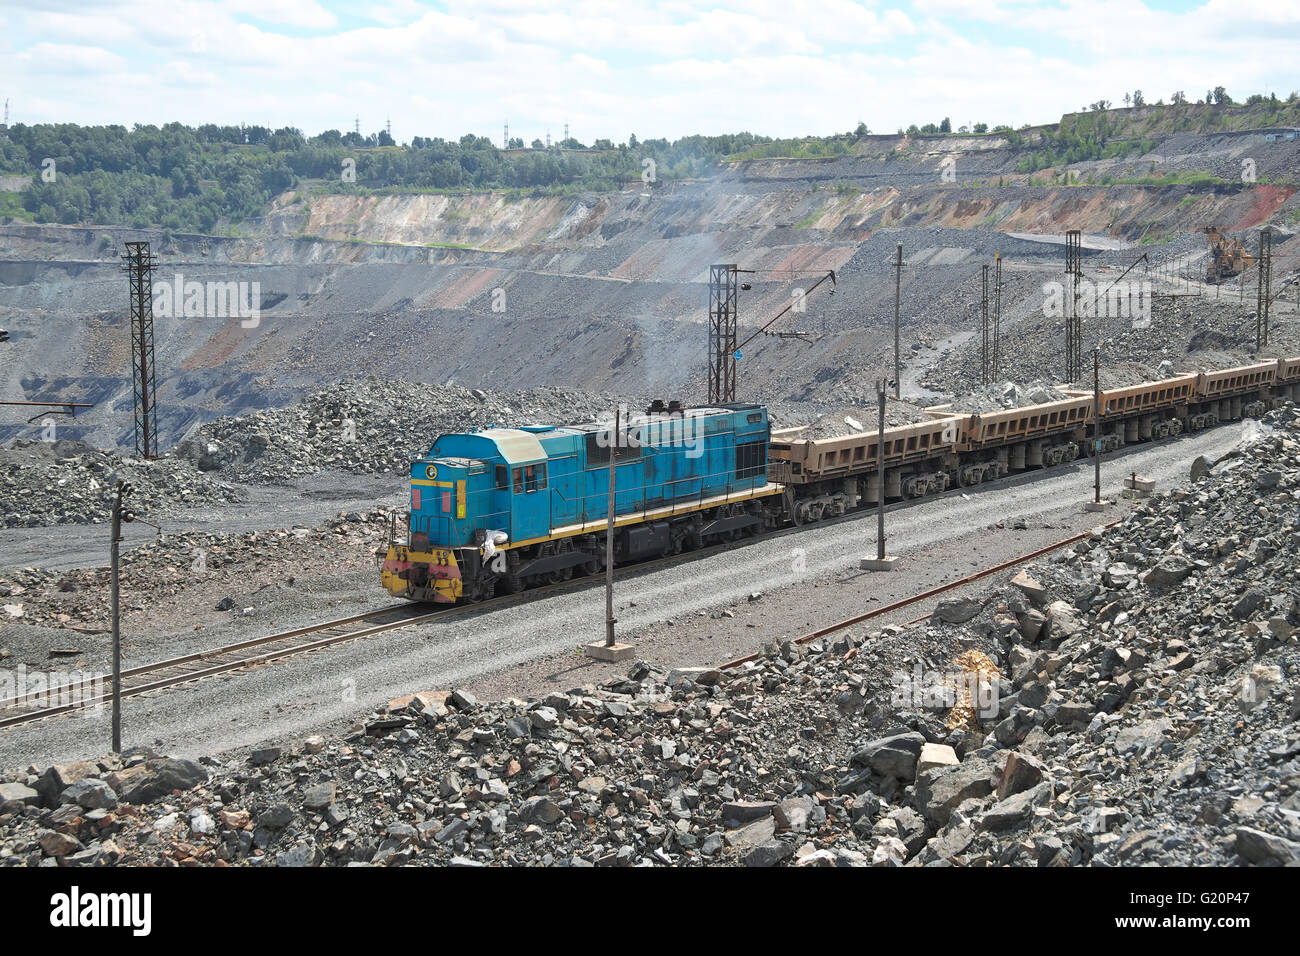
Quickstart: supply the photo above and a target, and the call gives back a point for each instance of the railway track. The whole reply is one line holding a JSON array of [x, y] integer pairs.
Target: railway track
[[925, 595], [219, 660], [273, 647]]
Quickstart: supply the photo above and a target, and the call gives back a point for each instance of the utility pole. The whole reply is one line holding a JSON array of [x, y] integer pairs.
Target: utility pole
[[1265, 288], [609, 534], [119, 516], [985, 364], [997, 315], [608, 650], [880, 474], [880, 562], [1096, 504], [1096, 417], [898, 364]]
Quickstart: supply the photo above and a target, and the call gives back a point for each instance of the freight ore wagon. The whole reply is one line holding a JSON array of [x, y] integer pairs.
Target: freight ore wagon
[[830, 476], [502, 509]]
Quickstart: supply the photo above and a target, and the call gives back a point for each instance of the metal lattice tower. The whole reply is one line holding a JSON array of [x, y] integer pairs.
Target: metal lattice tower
[[138, 264], [985, 364], [1073, 330], [722, 334], [1264, 295]]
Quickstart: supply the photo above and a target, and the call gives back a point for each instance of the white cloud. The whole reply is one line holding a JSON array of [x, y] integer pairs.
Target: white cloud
[[610, 68]]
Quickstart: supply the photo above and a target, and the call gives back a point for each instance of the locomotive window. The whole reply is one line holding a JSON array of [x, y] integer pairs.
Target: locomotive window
[[541, 476], [530, 478], [754, 418], [519, 481], [750, 462], [501, 478]]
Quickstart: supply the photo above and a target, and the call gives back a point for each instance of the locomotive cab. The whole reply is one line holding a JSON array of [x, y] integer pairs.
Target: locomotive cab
[[463, 500]]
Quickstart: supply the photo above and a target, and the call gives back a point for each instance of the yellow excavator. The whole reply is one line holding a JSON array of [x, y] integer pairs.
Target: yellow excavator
[[1227, 257]]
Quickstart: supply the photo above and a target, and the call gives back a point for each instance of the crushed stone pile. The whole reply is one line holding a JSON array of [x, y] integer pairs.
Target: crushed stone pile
[[1002, 395], [68, 482], [851, 420], [372, 427], [1131, 701], [168, 565]]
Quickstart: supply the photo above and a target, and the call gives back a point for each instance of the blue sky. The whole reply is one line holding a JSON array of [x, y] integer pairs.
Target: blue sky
[[612, 68]]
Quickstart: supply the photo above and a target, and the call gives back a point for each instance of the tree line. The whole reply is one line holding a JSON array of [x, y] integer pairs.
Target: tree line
[[193, 178]]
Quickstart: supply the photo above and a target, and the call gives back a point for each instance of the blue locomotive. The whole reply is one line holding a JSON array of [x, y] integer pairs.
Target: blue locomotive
[[502, 509]]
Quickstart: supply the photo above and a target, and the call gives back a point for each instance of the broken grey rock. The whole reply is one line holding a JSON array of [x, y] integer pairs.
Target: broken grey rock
[[894, 756], [936, 755], [1022, 772], [958, 611], [90, 793], [16, 795], [739, 812], [541, 810], [1265, 849], [769, 854], [1015, 809], [939, 791], [318, 797], [161, 776], [1030, 588], [263, 756], [277, 816], [1167, 572]]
